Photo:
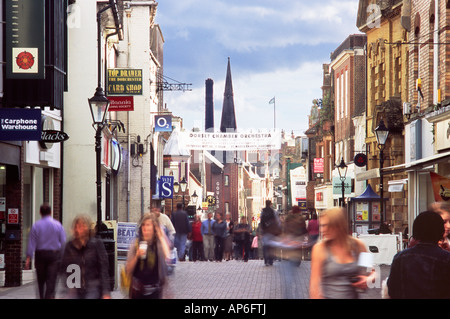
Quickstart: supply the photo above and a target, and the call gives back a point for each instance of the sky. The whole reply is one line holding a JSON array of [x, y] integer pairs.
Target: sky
[[276, 49]]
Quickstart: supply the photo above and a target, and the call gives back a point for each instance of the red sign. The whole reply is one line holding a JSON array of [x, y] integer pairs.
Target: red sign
[[121, 103], [13, 216], [319, 196], [318, 165]]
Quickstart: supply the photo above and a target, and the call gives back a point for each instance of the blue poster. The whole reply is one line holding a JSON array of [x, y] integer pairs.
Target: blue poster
[[166, 187], [20, 124], [163, 123]]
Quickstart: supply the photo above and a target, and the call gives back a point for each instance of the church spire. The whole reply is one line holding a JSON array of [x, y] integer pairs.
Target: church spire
[[228, 121]]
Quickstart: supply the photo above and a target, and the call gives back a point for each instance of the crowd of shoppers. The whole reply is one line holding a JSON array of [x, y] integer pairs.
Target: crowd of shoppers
[[421, 271]]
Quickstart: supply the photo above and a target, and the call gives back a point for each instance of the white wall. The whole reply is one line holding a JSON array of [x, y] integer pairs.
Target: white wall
[[135, 53], [79, 188]]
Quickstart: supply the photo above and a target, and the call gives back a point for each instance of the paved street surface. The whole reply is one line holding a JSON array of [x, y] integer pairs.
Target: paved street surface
[[220, 280]]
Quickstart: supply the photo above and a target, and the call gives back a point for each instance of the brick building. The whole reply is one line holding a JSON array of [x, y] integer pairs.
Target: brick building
[[387, 86]]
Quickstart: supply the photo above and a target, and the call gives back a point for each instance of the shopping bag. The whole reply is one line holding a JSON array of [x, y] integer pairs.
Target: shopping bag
[[125, 281]]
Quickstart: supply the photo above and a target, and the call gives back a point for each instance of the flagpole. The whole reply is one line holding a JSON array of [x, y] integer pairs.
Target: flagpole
[[274, 114]]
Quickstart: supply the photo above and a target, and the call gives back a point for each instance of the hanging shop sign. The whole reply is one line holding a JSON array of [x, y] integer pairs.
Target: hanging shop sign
[[54, 136], [124, 81], [318, 167], [337, 186], [270, 140], [166, 187], [360, 159], [121, 103], [20, 124], [163, 123], [25, 39]]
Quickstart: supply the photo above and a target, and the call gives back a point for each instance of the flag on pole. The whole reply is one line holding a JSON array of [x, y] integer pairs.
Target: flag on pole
[[272, 101]]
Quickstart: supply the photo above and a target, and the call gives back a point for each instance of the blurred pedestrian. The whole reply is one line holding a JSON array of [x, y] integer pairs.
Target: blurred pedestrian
[[219, 229], [291, 243], [254, 247], [228, 240], [335, 273], [313, 233], [86, 256], [270, 228], [180, 221], [197, 239], [208, 237], [313, 228], [422, 271], [46, 242], [146, 260], [242, 233], [443, 209], [166, 223]]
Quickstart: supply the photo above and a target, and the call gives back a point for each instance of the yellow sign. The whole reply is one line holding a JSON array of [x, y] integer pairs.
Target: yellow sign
[[124, 81], [211, 200]]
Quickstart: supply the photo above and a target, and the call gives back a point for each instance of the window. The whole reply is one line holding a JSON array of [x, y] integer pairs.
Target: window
[[226, 181]]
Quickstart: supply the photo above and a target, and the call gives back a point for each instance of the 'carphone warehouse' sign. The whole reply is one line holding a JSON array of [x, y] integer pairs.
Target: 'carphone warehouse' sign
[[20, 124]]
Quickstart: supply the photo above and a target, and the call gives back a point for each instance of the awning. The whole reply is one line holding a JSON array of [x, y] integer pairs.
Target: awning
[[430, 160], [423, 162]]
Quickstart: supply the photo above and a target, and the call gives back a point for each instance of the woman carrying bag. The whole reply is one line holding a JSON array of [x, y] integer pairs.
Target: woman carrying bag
[[146, 261]]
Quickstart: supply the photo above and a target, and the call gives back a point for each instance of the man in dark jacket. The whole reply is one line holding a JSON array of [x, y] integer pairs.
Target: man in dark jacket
[[270, 227], [423, 271], [182, 227]]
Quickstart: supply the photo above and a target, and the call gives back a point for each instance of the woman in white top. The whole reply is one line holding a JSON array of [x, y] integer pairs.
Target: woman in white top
[[335, 273]]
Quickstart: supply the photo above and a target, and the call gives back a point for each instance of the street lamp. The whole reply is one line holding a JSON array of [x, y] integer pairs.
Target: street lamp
[[183, 185], [194, 198], [99, 105], [176, 187], [342, 169], [382, 133]]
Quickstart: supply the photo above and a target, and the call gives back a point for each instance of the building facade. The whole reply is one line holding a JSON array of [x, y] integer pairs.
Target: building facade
[[387, 86]]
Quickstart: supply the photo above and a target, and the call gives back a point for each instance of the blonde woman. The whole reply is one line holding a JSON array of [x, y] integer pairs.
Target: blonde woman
[[146, 261], [335, 273], [89, 255]]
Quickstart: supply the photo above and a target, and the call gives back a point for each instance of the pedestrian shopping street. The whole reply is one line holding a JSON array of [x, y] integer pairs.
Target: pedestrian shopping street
[[232, 279]]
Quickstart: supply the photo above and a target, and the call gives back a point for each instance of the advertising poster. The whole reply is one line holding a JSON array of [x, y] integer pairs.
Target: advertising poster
[[126, 234], [441, 187]]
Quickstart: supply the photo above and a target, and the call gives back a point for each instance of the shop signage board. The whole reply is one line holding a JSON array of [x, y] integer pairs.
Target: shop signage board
[[25, 39], [20, 124], [166, 187], [124, 81], [318, 167], [337, 186], [54, 136], [121, 103], [163, 123]]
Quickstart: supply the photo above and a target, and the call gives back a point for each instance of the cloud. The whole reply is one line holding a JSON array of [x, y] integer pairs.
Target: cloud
[[277, 48], [241, 27], [294, 90]]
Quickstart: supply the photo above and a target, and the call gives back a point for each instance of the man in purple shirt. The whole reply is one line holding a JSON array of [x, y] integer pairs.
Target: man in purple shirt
[[47, 240]]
